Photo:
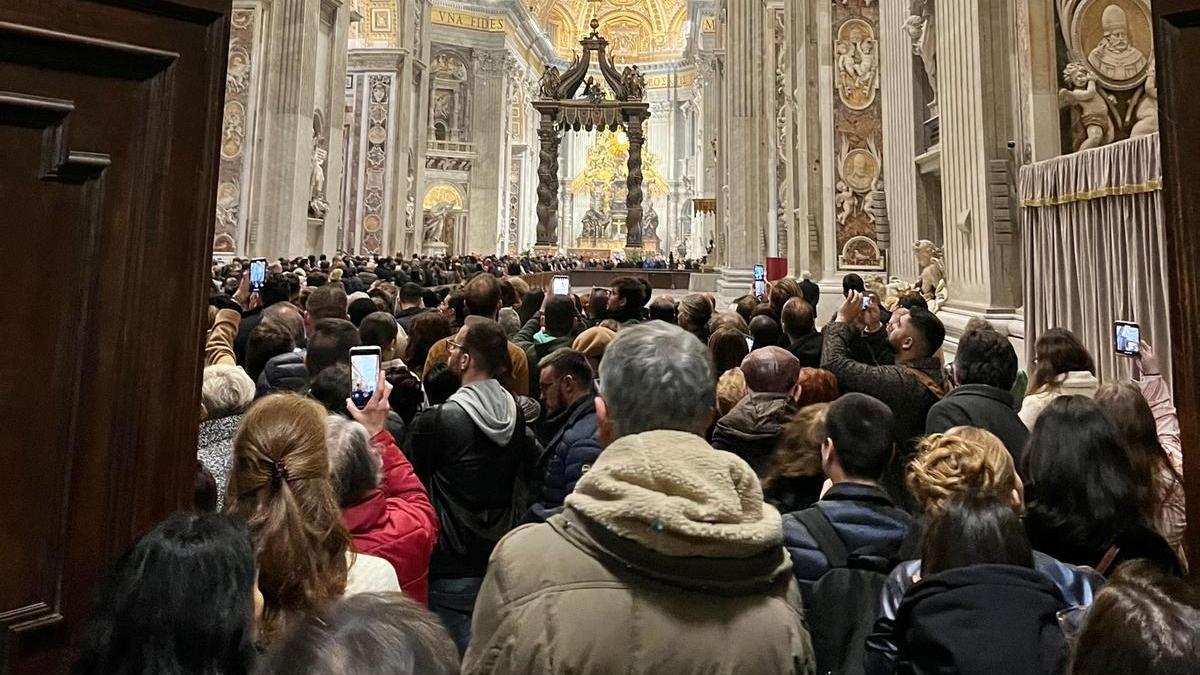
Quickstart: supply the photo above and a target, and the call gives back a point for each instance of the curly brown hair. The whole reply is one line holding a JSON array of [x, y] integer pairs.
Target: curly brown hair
[[280, 486]]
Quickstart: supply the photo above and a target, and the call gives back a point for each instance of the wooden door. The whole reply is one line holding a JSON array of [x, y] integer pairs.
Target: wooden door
[[109, 128], [1177, 53]]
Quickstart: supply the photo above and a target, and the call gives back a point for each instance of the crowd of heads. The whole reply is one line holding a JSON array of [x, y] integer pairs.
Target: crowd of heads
[[266, 584]]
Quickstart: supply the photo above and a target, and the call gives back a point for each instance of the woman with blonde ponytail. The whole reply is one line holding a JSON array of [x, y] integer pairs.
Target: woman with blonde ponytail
[[280, 486]]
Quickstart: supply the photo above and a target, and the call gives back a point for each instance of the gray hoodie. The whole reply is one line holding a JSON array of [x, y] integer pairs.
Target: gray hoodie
[[490, 407]]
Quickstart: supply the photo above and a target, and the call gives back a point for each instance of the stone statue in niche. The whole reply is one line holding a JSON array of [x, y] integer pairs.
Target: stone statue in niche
[[551, 80], [318, 205], [1147, 109], [1094, 115], [436, 220], [650, 224], [932, 281], [1115, 57], [921, 27]]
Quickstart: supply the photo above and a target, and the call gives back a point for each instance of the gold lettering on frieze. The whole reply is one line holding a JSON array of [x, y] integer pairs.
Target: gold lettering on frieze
[[708, 24], [470, 21]]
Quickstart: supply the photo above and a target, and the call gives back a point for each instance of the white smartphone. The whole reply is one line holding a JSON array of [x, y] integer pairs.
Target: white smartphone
[[364, 373], [561, 285], [1127, 338], [258, 274]]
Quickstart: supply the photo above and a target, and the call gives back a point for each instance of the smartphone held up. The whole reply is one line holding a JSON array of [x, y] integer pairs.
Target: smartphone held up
[[1127, 338], [258, 274], [364, 374]]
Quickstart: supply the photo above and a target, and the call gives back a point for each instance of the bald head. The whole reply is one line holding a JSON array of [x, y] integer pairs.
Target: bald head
[[771, 370], [288, 315]]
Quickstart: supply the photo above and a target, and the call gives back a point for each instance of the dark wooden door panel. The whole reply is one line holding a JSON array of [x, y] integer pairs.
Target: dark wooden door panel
[[1177, 53], [109, 122]]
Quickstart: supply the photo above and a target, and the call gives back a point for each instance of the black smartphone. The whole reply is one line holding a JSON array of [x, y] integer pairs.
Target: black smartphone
[[1127, 338], [258, 274], [364, 374]]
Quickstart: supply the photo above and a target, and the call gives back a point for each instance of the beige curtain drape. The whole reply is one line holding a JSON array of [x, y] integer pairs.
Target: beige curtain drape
[[1092, 226]]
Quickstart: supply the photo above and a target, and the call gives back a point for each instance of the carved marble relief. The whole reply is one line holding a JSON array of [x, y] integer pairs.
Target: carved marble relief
[[514, 207], [858, 127], [379, 100], [235, 155], [1109, 93]]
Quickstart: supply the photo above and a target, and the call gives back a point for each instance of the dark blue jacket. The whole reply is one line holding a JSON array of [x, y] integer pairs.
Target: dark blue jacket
[[863, 516], [571, 450]]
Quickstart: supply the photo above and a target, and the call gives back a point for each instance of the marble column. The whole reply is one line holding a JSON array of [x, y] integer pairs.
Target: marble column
[[299, 43], [633, 199], [489, 171], [900, 127], [978, 113], [745, 146]]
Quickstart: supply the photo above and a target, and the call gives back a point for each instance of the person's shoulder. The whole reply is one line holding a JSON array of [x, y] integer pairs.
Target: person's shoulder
[[370, 574]]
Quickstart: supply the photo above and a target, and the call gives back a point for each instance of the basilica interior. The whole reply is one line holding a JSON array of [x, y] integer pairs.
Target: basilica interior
[[1010, 160], [939, 145]]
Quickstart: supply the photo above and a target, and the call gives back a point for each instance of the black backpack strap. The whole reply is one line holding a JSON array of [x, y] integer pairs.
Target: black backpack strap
[[827, 538]]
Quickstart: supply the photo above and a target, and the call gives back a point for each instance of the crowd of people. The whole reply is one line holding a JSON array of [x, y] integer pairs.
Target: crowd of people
[[624, 483]]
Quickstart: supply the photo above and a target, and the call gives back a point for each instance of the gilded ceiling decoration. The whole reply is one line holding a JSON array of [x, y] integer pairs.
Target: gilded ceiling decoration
[[641, 31]]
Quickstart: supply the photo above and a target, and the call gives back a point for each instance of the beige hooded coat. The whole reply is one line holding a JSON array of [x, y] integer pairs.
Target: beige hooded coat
[[664, 561]]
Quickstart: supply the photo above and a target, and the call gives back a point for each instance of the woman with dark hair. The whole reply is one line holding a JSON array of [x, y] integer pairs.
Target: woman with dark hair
[[381, 633], [1143, 622], [1082, 494], [794, 478], [280, 486], [1145, 417], [183, 599], [728, 348], [425, 331], [980, 606], [1062, 366]]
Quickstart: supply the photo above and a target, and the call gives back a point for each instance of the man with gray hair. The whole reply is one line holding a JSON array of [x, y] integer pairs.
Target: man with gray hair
[[671, 559], [752, 428]]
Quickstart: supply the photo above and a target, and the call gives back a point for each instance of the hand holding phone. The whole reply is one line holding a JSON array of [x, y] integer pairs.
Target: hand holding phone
[[364, 373], [258, 274], [373, 416], [1127, 338]]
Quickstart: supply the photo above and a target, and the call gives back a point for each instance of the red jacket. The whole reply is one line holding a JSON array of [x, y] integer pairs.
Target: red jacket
[[396, 521]]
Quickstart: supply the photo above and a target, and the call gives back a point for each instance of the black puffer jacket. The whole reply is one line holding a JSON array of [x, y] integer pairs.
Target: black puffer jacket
[[1078, 586], [751, 429], [981, 620]]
